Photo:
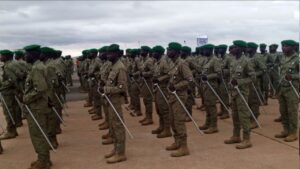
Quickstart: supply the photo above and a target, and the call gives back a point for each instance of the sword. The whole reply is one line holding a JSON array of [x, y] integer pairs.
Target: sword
[[43, 133], [60, 119], [294, 89], [5, 105], [161, 92], [257, 94], [270, 82], [61, 104], [147, 86], [187, 112], [116, 112], [65, 86], [244, 100], [216, 94]]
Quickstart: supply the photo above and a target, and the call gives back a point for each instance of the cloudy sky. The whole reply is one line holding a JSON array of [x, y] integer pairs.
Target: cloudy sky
[[72, 26]]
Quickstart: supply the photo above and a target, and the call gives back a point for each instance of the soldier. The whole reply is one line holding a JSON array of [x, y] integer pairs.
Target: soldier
[[273, 61], [200, 60], [259, 68], [23, 69], [186, 55], [94, 67], [115, 87], [36, 99], [145, 67], [161, 68], [210, 74], [180, 77], [79, 73], [134, 78], [224, 76], [85, 70], [265, 83], [241, 75], [103, 77], [70, 69], [53, 84], [288, 86], [9, 87]]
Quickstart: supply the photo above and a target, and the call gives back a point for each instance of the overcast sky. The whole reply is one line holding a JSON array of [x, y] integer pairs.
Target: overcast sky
[[74, 26]]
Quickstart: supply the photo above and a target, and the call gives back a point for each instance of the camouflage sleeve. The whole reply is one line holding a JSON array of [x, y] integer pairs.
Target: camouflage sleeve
[[217, 70], [148, 71], [39, 86], [187, 77], [10, 81], [250, 75], [295, 72], [165, 68], [121, 84], [262, 68]]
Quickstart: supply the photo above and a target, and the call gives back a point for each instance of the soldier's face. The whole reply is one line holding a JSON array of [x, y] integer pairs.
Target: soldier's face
[[262, 49], [172, 53], [287, 49], [144, 53], [112, 56], [2, 58], [156, 55]]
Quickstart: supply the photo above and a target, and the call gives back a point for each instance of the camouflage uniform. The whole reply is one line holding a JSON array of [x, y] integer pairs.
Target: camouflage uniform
[[181, 76], [36, 98]]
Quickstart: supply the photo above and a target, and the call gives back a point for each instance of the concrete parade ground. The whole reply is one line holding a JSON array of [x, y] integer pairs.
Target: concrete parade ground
[[80, 144]]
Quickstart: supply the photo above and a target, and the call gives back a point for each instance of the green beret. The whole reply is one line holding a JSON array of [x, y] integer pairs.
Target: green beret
[[19, 53], [59, 52], [47, 50], [274, 45], [175, 46], [146, 48], [93, 51], [223, 46], [240, 43], [216, 47], [113, 48], [85, 52], [158, 49], [103, 49], [128, 50], [6, 52], [289, 42], [32, 48], [231, 46], [252, 45], [186, 49], [262, 45], [208, 46]]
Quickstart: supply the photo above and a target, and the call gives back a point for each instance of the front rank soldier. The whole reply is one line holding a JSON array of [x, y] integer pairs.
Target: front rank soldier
[[114, 88], [241, 75], [210, 75], [146, 70], [224, 76], [180, 77], [36, 98], [9, 88], [288, 86], [161, 68]]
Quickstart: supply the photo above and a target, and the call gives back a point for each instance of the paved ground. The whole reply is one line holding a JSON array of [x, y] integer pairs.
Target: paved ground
[[80, 145]]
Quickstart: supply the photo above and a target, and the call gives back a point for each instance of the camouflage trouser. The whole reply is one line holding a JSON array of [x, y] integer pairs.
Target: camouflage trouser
[[147, 99], [190, 99], [39, 142], [12, 106], [240, 116], [162, 109], [97, 100], [135, 97], [265, 86], [53, 123], [288, 107], [69, 78], [177, 117], [274, 75], [210, 106], [117, 130], [253, 101], [223, 93]]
